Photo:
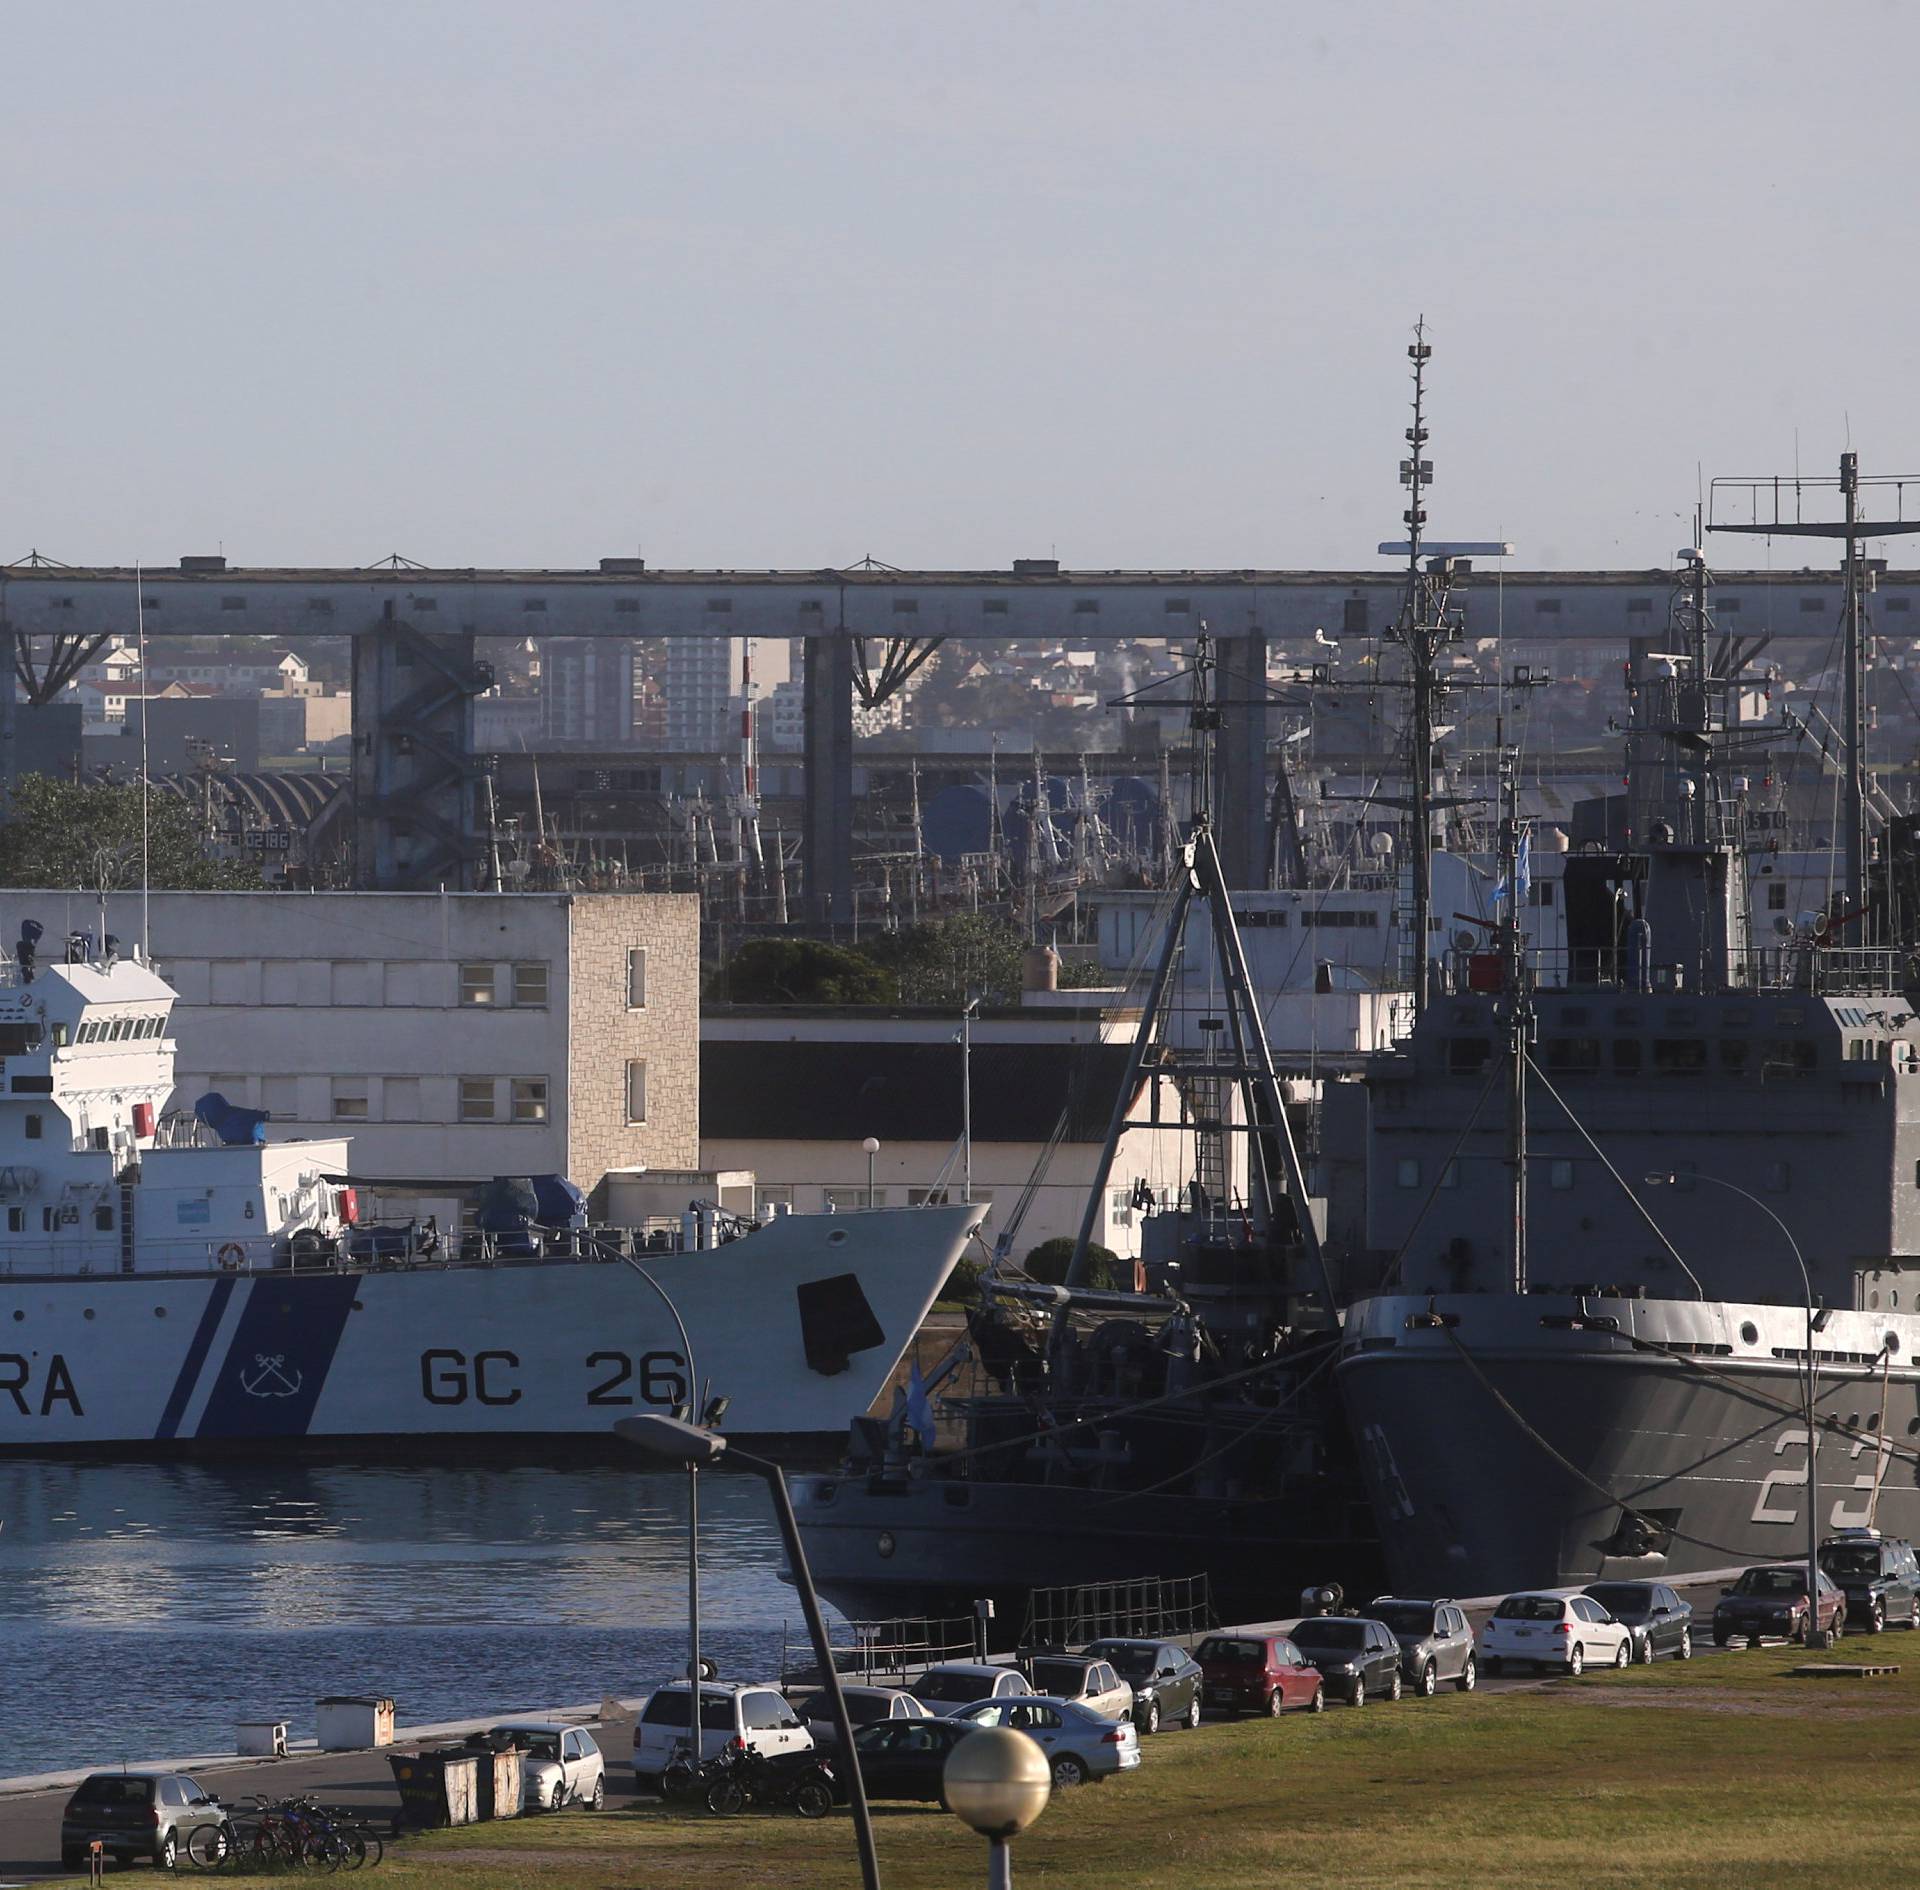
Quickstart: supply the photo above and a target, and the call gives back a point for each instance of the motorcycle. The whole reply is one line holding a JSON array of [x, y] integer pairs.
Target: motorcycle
[[801, 1782]]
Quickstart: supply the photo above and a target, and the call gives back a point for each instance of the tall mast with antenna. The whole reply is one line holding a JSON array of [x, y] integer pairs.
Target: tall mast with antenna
[[1854, 531]]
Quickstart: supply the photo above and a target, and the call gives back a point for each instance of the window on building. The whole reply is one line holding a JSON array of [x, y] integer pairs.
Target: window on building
[[280, 1096], [1733, 1055], [766, 1199], [1573, 1056], [637, 978], [1450, 1175], [1353, 617], [939, 1197], [477, 1098], [530, 983], [1777, 895], [1560, 1175], [35, 1128], [1626, 1056], [103, 1220], [636, 1089], [400, 1099], [1679, 1056], [993, 607], [349, 1099], [1406, 1172], [850, 1200], [476, 984], [426, 603], [529, 1098], [16, 1220], [1543, 892]]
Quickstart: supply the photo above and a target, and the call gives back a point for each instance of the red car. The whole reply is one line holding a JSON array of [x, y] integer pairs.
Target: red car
[[1258, 1673]]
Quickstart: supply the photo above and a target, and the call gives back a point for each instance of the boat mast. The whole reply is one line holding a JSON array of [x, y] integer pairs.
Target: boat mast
[[1855, 710], [1419, 633], [1519, 1009], [1854, 531]]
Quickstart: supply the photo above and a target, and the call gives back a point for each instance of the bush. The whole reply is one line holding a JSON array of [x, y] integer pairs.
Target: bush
[[1049, 1261]]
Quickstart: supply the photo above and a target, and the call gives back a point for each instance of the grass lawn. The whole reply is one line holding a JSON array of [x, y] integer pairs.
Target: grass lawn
[[1722, 1774]]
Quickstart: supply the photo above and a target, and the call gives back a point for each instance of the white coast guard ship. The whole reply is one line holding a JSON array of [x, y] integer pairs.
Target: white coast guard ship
[[183, 1284]]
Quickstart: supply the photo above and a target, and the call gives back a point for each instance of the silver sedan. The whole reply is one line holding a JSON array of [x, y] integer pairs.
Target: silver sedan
[[1080, 1744]]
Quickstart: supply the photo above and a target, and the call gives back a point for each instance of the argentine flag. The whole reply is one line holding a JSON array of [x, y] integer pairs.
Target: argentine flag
[[1522, 871]]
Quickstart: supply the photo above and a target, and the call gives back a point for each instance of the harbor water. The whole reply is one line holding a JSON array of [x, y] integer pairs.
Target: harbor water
[[150, 1607]]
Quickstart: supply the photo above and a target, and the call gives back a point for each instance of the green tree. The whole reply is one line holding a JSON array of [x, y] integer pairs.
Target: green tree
[[801, 971], [950, 960], [57, 833], [1049, 1261]]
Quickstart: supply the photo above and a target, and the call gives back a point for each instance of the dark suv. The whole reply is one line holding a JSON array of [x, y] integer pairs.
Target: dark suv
[[1878, 1574], [1356, 1656], [158, 1815], [1773, 1601]]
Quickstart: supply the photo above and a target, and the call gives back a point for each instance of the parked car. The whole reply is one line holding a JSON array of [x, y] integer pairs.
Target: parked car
[[1080, 1744], [758, 1716], [1258, 1673], [1878, 1574], [1572, 1632], [1166, 1681], [562, 1764], [1355, 1655], [1662, 1622], [907, 1758], [866, 1706], [1436, 1643], [957, 1683], [1085, 1679], [1772, 1599], [161, 1816]]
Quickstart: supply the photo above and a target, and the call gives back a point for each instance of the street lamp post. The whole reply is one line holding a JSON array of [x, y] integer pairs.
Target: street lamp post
[[998, 1781], [689, 1444], [1812, 1391], [872, 1146], [694, 1409]]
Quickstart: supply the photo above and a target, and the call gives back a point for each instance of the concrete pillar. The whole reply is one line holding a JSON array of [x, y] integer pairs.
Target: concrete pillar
[[1240, 761], [829, 778]]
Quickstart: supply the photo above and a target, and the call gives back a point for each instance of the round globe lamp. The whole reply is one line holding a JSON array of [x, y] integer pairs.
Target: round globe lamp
[[998, 1781]]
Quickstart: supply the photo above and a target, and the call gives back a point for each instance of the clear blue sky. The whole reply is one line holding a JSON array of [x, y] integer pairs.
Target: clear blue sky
[[788, 284]]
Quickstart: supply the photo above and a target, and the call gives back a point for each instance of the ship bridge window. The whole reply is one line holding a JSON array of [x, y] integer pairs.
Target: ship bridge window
[[1574, 1056], [1626, 1056], [1788, 1056], [1468, 1056], [1679, 1056], [1733, 1055]]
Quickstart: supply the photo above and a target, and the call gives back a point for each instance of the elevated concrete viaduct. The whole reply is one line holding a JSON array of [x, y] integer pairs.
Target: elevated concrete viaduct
[[415, 675]]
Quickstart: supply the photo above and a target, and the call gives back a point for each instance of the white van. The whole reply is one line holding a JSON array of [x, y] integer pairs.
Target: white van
[[758, 1716]]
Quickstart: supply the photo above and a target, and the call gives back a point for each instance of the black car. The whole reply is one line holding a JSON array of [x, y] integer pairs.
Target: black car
[[1879, 1575], [905, 1758], [1355, 1656], [1662, 1622], [1166, 1681]]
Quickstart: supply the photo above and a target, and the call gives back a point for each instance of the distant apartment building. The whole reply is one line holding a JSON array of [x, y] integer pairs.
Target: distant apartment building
[[586, 690], [454, 1037], [703, 688]]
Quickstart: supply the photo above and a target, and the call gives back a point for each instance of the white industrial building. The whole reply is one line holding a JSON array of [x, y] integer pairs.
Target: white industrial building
[[454, 1037]]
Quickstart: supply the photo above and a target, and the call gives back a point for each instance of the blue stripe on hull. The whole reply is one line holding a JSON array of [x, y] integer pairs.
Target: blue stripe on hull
[[282, 1349], [216, 1309]]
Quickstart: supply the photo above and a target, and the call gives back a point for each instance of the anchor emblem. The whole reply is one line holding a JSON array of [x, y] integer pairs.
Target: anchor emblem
[[270, 1379]]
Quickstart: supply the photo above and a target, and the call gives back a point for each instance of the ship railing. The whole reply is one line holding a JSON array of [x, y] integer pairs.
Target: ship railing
[[887, 1653], [1148, 1607], [1793, 965]]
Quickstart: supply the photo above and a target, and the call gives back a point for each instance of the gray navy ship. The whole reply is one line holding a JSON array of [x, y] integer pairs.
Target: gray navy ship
[[1588, 1226]]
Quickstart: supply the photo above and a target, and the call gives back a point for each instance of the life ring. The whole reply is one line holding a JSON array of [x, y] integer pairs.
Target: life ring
[[232, 1255]]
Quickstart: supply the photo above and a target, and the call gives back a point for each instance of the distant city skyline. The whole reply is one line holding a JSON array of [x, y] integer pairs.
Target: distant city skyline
[[758, 286]]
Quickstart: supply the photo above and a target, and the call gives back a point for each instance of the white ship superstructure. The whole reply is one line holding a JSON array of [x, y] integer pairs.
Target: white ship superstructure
[[187, 1282]]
